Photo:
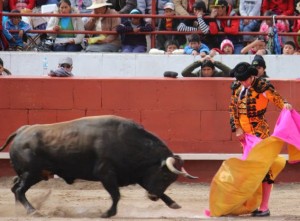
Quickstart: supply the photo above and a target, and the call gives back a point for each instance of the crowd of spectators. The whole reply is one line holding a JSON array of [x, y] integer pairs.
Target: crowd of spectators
[[214, 34]]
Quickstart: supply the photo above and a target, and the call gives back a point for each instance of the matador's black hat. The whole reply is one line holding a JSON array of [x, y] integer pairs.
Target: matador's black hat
[[243, 70]]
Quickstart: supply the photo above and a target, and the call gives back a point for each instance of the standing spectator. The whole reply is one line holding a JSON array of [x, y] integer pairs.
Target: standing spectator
[[135, 43], [123, 6], [65, 66], [226, 47], [169, 24], [16, 39], [66, 42], [208, 68], [21, 4], [260, 65], [229, 26], [195, 47], [111, 42], [279, 7], [3, 71], [289, 48], [249, 101], [249, 8]]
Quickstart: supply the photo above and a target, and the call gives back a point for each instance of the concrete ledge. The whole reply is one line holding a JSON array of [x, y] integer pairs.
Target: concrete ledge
[[4, 155]]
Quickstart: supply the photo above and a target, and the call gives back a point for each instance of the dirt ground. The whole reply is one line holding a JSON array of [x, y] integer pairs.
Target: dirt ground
[[85, 201]]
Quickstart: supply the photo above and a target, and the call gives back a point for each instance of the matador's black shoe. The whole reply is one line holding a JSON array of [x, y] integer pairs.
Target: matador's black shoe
[[259, 213]]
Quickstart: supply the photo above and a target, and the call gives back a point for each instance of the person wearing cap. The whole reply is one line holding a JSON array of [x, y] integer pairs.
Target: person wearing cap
[[135, 43], [249, 100], [16, 39], [3, 71], [171, 47], [169, 24], [110, 42], [68, 41], [208, 68], [188, 25], [260, 64], [229, 26], [65, 66]]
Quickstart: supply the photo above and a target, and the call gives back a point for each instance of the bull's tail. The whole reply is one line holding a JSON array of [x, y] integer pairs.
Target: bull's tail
[[9, 139], [12, 136]]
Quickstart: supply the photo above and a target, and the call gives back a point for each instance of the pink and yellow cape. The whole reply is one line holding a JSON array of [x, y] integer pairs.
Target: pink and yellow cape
[[236, 187]]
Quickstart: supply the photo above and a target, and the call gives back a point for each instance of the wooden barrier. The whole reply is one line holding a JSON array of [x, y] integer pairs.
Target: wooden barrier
[[190, 114]]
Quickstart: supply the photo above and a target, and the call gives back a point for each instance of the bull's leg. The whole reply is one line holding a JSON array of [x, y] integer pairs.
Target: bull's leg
[[20, 187], [169, 202], [109, 182]]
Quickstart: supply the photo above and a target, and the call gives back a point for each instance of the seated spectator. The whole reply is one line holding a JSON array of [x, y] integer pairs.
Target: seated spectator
[[110, 42], [208, 68], [16, 39], [185, 7], [169, 24], [65, 66], [171, 47], [69, 41], [289, 48], [285, 7], [226, 47], [258, 46], [3, 71], [195, 47], [199, 10], [21, 4], [260, 64], [229, 27], [135, 43], [82, 5], [249, 8]]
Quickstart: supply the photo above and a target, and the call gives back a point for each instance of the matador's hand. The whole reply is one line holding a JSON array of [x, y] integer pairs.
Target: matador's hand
[[240, 134], [288, 106]]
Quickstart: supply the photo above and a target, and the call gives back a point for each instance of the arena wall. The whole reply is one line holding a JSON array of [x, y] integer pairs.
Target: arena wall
[[190, 114]]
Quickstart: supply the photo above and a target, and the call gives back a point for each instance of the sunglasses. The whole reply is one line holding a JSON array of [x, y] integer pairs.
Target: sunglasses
[[66, 65]]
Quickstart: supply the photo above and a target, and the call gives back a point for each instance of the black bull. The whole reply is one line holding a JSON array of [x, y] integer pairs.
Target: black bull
[[113, 150]]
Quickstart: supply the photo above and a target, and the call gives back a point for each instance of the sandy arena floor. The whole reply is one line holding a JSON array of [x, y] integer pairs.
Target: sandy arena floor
[[85, 201]]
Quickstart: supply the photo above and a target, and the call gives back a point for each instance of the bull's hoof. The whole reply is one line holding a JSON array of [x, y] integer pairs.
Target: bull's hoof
[[108, 214], [174, 206], [35, 214]]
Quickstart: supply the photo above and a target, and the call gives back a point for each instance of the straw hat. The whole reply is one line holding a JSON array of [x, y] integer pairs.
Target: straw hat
[[98, 4]]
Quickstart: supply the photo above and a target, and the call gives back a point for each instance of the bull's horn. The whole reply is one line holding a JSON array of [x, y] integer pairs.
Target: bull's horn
[[170, 164], [188, 175]]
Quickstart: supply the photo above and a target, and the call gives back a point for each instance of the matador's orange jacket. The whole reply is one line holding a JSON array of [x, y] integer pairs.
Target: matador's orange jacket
[[248, 112]]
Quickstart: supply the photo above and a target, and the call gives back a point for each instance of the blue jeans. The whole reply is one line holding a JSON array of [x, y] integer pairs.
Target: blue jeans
[[134, 48], [251, 27]]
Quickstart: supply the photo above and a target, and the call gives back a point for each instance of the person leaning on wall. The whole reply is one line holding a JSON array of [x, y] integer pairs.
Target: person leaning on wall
[[65, 66], [208, 68], [3, 71]]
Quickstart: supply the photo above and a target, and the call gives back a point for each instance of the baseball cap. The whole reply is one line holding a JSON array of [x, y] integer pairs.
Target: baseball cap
[[169, 5], [219, 3], [66, 60]]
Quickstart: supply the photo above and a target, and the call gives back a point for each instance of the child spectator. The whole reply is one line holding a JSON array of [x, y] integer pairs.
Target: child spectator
[[207, 65], [16, 39], [289, 48], [171, 47], [195, 47], [65, 66], [226, 47], [3, 71], [135, 43], [258, 46], [169, 24]]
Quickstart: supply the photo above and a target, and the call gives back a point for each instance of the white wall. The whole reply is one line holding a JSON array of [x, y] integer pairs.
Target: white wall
[[136, 65]]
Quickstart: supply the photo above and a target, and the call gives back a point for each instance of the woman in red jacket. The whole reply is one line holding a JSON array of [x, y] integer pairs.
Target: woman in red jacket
[[21, 4]]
